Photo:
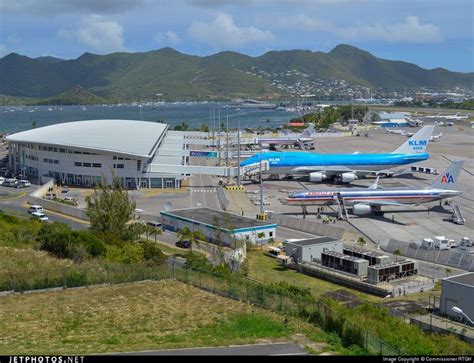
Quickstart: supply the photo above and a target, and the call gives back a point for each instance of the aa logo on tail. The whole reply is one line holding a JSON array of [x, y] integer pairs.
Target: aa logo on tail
[[447, 179]]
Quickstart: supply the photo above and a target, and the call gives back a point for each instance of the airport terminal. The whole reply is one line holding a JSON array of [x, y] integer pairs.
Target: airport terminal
[[82, 153]]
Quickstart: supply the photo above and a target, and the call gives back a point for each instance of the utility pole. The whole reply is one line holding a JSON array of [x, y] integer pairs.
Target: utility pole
[[261, 186], [227, 148], [238, 150], [219, 138]]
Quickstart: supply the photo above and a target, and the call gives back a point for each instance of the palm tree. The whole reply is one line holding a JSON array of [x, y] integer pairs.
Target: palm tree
[[185, 234], [397, 253], [155, 231]]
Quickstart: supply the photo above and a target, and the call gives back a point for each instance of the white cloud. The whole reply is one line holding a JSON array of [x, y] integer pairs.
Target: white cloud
[[222, 32], [296, 22], [52, 7], [98, 34], [410, 31], [168, 38]]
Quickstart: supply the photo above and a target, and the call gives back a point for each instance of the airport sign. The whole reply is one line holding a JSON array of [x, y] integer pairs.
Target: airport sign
[[203, 154]]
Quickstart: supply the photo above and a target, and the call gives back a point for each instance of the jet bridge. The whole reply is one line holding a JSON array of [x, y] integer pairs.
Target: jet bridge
[[209, 170]]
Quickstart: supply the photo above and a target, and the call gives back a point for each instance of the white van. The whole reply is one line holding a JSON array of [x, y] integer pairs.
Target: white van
[[154, 224], [35, 209], [40, 216], [441, 243]]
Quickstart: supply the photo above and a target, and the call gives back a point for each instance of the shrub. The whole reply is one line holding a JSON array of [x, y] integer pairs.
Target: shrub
[[152, 254], [129, 253]]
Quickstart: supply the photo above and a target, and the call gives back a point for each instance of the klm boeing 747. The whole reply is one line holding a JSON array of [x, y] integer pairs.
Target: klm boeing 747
[[345, 168], [368, 200]]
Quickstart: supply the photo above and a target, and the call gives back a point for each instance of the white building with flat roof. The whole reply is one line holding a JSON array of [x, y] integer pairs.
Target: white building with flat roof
[[83, 152]]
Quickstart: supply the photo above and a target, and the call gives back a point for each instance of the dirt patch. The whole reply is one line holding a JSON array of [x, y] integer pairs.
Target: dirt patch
[[406, 307]]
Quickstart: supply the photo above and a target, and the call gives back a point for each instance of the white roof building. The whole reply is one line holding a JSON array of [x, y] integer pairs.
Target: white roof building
[[83, 152]]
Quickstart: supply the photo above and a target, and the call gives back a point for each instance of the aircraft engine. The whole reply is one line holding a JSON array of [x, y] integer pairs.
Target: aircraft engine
[[348, 177], [361, 209], [316, 176]]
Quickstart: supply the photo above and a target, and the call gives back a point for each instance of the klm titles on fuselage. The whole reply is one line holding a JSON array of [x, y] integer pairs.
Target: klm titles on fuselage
[[417, 144]]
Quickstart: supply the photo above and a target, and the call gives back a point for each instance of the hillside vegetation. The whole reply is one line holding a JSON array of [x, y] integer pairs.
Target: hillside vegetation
[[118, 77]]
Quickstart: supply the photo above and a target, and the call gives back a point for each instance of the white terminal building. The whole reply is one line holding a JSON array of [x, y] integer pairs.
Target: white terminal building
[[140, 154]]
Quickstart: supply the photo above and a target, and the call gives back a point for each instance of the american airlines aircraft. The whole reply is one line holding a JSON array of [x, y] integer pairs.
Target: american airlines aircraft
[[371, 199], [345, 168]]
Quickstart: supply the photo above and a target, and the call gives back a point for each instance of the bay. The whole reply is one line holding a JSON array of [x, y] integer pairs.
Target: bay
[[21, 118]]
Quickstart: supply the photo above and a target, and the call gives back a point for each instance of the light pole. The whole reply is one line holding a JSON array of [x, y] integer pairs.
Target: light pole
[[261, 186], [238, 150], [459, 311]]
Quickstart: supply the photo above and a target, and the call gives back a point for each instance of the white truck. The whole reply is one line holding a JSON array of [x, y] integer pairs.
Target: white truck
[[441, 243]]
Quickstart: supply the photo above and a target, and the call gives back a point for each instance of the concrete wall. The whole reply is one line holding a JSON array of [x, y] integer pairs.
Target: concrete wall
[[352, 283], [304, 225], [455, 294]]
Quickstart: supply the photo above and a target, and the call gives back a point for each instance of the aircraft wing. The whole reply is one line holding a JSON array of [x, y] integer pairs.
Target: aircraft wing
[[380, 203], [330, 170]]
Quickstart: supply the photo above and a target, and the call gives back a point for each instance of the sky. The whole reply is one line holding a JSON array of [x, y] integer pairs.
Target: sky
[[430, 33]]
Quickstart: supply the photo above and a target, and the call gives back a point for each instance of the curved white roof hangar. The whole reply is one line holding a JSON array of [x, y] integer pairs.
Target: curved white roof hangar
[[139, 138]]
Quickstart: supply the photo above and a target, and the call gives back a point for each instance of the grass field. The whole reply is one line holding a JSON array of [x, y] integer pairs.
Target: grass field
[[27, 261], [267, 269], [140, 316]]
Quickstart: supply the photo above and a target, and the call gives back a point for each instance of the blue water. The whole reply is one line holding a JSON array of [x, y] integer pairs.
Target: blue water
[[14, 119]]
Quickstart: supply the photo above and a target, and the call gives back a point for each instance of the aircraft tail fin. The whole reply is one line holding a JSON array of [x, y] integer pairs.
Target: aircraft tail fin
[[449, 177], [417, 143], [308, 131]]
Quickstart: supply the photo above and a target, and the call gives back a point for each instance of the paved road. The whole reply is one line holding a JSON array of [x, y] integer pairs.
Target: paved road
[[259, 349], [16, 207], [202, 187]]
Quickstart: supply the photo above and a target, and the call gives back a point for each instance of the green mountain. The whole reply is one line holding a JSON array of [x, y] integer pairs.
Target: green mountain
[[122, 77]]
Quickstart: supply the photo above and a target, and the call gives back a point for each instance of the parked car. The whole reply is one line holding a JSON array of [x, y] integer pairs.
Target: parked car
[[40, 216], [35, 209], [2, 179], [65, 189], [183, 244], [10, 183], [23, 184]]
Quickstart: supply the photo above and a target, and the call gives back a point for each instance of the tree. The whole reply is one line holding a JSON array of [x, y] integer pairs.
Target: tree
[[183, 126], [185, 234], [361, 242], [397, 253], [448, 271], [110, 211]]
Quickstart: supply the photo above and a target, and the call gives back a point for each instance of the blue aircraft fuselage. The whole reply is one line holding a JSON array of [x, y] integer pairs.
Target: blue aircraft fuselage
[[294, 162]]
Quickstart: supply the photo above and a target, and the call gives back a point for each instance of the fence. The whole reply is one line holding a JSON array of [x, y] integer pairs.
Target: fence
[[79, 275], [442, 257], [317, 312], [307, 226]]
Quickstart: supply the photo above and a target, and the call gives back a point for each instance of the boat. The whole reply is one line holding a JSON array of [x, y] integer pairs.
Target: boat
[[250, 103]]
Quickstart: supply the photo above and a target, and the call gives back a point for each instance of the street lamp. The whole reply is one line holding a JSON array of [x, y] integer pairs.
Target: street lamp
[[459, 311]]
